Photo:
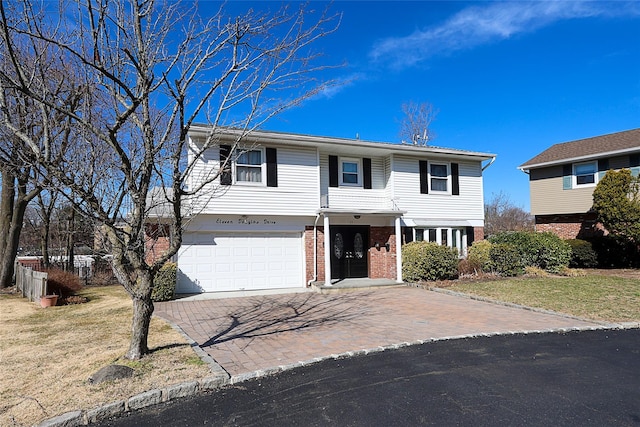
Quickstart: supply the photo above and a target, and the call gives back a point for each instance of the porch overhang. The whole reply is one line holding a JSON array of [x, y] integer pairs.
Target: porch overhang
[[362, 212], [327, 213]]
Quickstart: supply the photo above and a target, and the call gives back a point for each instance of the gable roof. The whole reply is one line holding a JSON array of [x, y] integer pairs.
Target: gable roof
[[337, 145], [585, 149]]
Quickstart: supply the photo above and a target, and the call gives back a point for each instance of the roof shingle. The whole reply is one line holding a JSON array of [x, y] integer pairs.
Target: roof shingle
[[585, 148]]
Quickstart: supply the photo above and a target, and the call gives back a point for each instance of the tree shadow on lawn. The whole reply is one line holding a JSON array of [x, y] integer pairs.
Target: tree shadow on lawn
[[264, 316]]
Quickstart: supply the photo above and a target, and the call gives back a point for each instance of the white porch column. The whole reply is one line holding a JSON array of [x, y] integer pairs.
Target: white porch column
[[463, 241], [327, 252], [398, 251]]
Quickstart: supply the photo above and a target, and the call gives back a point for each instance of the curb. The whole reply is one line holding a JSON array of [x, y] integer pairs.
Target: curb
[[139, 401]]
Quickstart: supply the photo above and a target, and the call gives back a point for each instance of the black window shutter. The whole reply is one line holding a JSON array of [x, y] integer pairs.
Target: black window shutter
[[333, 171], [366, 171], [408, 234], [603, 165], [225, 174], [455, 179], [272, 167], [424, 177], [470, 236]]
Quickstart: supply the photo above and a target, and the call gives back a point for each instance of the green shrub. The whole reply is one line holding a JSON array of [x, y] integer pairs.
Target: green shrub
[[428, 261], [164, 284], [506, 259], [582, 254], [554, 254], [62, 283], [543, 250], [615, 252], [478, 255]]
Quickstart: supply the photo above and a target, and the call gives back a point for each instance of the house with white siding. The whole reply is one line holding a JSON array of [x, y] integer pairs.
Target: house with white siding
[[288, 210]]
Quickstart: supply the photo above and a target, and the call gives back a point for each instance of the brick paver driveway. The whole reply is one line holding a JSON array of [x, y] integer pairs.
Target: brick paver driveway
[[262, 332]]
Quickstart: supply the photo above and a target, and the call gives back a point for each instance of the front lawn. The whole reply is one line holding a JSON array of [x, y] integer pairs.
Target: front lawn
[[595, 296]]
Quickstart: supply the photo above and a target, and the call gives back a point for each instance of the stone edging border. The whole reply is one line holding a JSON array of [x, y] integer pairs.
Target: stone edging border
[[221, 378]]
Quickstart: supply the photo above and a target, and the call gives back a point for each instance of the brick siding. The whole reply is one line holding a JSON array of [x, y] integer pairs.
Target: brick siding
[[382, 263], [576, 226], [156, 241]]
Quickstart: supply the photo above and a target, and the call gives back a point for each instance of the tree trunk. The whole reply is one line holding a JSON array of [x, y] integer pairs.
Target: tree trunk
[[44, 242], [11, 219], [142, 311], [70, 264]]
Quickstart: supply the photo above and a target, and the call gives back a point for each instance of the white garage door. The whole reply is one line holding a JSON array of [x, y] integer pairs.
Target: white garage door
[[211, 262]]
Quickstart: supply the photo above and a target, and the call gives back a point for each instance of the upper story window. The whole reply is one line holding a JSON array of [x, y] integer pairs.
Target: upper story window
[[258, 166], [350, 172], [585, 174], [249, 167], [439, 177]]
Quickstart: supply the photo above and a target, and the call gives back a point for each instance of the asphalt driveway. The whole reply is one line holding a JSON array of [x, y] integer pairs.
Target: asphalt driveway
[[263, 333]]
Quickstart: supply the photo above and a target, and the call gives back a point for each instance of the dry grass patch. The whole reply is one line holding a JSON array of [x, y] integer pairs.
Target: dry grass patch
[[597, 297], [47, 355]]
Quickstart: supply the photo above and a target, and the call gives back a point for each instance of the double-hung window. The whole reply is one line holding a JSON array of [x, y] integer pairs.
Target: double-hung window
[[350, 172], [585, 174], [439, 177], [249, 167]]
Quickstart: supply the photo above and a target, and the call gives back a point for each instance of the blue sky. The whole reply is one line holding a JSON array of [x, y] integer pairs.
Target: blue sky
[[510, 78]]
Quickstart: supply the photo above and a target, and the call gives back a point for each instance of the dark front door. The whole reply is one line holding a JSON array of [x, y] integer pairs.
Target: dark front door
[[349, 251]]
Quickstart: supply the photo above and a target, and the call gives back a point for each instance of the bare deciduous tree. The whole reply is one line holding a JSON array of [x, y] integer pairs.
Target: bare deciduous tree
[[415, 127], [500, 214], [147, 71]]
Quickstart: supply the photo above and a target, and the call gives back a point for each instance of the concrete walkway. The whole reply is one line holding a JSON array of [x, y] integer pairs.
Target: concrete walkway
[[258, 333]]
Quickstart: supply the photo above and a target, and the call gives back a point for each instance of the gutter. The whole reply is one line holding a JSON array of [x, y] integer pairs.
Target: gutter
[[493, 159]]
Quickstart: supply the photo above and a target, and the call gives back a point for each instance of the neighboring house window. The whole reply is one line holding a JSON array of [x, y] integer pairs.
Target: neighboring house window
[[439, 177], [249, 167], [585, 174]]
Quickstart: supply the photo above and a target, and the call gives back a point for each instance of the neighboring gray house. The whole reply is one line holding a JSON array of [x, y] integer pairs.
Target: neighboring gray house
[[563, 177], [264, 222]]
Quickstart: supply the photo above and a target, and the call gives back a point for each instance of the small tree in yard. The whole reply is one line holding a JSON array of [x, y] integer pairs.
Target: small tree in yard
[[616, 200], [147, 70]]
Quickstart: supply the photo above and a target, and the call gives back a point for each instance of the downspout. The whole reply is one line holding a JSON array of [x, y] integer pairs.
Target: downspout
[[315, 251]]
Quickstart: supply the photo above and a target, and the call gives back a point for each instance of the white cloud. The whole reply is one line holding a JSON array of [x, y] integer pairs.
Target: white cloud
[[478, 25]]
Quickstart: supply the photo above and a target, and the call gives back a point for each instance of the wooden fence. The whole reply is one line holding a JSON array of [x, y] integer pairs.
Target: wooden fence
[[32, 284]]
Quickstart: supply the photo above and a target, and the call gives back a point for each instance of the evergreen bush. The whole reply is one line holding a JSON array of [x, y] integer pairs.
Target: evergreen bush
[[543, 250], [582, 254], [478, 255], [506, 259], [428, 261], [164, 284]]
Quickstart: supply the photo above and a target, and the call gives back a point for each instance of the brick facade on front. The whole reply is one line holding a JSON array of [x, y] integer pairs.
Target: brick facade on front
[[156, 241], [382, 263], [478, 233], [573, 226]]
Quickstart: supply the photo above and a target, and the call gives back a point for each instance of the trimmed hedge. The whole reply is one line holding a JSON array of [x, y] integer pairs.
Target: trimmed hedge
[[582, 254], [543, 250], [428, 261], [164, 284], [506, 259], [478, 255]]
